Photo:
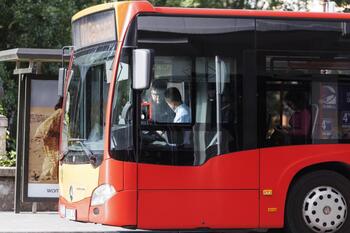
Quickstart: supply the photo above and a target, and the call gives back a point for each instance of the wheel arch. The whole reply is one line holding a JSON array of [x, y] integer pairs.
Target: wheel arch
[[338, 167]]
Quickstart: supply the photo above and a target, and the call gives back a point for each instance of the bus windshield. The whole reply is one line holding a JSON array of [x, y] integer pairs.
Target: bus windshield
[[88, 84]]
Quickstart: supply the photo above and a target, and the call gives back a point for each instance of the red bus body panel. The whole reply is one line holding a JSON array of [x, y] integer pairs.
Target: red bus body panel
[[220, 172], [120, 210], [112, 172], [190, 209], [222, 193]]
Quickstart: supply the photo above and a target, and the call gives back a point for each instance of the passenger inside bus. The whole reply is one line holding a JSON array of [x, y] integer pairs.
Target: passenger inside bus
[[298, 117], [300, 120]]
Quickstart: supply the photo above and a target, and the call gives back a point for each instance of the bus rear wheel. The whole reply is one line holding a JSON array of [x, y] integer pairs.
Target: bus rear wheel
[[317, 203]]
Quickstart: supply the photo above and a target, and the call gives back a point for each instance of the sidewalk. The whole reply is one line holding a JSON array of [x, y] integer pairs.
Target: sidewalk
[[48, 222]]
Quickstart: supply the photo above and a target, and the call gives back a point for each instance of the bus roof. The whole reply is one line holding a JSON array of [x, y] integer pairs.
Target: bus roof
[[144, 6], [251, 13]]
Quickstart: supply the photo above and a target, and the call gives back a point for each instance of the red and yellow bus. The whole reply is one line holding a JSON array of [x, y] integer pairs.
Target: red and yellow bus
[[207, 119]]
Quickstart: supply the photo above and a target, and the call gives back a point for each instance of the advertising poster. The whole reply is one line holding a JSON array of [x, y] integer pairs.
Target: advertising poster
[[344, 109], [42, 149], [328, 112]]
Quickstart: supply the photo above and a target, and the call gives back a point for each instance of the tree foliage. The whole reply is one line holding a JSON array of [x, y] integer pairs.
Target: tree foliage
[[344, 3], [38, 23], [31, 24]]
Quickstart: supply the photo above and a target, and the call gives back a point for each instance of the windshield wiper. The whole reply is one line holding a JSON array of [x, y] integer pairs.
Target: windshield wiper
[[92, 158], [63, 154]]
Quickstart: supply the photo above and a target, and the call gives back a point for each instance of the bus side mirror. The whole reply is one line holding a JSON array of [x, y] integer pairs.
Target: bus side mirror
[[61, 77], [142, 68]]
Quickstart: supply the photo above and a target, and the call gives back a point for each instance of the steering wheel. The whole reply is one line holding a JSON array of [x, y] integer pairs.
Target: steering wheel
[[152, 136]]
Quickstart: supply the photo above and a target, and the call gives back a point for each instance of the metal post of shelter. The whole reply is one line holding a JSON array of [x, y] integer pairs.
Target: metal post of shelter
[[19, 144]]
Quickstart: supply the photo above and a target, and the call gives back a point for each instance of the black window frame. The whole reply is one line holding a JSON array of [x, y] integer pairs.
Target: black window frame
[[253, 94]]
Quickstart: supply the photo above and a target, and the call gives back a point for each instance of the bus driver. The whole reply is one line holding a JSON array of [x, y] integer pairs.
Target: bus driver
[[173, 99]]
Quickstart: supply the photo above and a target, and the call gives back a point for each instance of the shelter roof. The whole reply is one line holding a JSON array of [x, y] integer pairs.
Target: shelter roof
[[32, 54]]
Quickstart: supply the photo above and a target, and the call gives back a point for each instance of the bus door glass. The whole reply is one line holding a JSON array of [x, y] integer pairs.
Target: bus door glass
[[308, 103], [122, 147], [304, 82]]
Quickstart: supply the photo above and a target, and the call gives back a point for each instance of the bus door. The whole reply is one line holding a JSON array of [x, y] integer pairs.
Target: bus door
[[304, 101], [198, 163]]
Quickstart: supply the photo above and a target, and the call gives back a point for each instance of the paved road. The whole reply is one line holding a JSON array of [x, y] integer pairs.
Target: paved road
[[45, 222], [51, 223]]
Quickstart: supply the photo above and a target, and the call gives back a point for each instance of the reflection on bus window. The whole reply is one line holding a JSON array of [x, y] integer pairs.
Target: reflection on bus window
[[121, 130]]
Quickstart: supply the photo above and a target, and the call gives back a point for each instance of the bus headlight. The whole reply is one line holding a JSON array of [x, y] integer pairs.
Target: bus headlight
[[102, 194]]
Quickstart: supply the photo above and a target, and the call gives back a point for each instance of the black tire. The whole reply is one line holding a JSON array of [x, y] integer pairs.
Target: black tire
[[294, 219]]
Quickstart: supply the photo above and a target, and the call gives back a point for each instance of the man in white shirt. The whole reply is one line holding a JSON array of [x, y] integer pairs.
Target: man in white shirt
[[182, 111]]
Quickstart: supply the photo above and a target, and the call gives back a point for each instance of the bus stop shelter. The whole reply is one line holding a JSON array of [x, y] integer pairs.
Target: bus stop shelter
[[32, 85]]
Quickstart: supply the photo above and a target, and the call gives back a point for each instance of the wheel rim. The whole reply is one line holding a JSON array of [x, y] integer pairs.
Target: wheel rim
[[324, 209]]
